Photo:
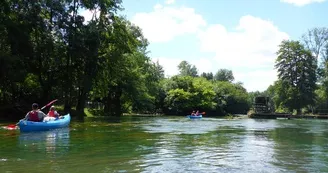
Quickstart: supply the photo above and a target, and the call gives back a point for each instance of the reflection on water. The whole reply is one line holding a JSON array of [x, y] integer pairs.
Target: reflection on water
[[237, 146], [34, 151], [170, 144], [48, 140], [211, 145], [182, 126]]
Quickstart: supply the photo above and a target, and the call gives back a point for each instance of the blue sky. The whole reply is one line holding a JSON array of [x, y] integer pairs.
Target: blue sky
[[240, 35]]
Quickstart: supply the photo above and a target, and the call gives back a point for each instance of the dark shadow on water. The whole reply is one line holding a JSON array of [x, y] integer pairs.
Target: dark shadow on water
[[108, 119], [98, 119]]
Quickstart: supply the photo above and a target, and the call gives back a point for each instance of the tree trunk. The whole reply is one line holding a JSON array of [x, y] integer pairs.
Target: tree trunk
[[117, 102], [81, 103], [112, 102], [67, 106], [299, 111], [108, 102]]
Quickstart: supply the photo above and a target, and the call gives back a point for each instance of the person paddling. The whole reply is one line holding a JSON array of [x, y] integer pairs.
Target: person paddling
[[197, 113], [35, 115], [52, 114]]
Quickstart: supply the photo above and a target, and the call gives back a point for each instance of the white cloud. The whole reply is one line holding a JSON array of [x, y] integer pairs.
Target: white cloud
[[301, 2], [165, 23], [170, 65], [169, 1], [249, 49], [257, 79], [203, 64], [252, 46]]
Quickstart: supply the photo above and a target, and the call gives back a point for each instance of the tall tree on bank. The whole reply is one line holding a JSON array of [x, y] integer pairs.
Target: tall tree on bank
[[187, 69], [88, 41], [297, 67], [208, 76], [325, 72], [129, 79], [224, 75], [316, 40]]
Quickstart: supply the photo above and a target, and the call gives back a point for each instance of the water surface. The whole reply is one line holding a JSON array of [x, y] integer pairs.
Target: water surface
[[169, 144]]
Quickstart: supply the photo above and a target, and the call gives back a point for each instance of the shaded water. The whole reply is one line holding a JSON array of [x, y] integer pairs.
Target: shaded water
[[170, 144]]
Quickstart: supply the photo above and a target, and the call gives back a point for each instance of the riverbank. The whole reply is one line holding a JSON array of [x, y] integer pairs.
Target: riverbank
[[287, 116], [142, 115]]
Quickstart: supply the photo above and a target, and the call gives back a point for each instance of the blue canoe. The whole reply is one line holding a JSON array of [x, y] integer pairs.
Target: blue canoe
[[195, 117], [29, 126]]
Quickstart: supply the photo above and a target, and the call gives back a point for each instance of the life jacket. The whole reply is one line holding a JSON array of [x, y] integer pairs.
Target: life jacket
[[51, 113], [33, 116]]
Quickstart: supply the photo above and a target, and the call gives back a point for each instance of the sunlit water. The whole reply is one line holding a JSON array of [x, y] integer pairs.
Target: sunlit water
[[169, 144]]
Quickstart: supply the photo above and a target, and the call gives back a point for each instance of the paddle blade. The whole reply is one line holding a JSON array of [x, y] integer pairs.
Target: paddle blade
[[49, 104], [203, 113], [11, 127]]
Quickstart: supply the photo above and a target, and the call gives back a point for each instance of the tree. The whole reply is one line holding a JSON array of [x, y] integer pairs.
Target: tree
[[316, 40], [129, 80], [86, 44], [322, 92], [224, 75], [297, 68], [185, 93], [208, 76], [187, 69], [231, 98], [278, 92]]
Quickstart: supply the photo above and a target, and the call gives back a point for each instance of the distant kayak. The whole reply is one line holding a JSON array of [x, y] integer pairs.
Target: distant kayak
[[28, 126], [194, 116]]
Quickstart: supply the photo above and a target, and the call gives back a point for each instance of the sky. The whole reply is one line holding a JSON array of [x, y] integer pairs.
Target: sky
[[239, 35]]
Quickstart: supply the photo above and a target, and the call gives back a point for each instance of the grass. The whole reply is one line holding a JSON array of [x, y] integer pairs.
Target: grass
[[74, 113], [88, 113], [142, 115], [250, 112], [229, 117]]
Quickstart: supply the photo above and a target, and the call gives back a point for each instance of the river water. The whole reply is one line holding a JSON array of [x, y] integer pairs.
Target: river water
[[169, 144]]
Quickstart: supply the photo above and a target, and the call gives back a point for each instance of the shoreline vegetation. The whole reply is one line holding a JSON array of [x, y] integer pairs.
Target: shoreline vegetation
[[93, 113], [287, 116], [48, 51]]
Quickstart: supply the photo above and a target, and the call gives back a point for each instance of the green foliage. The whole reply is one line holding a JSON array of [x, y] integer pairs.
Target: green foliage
[[224, 75], [178, 100], [49, 51], [31, 84], [316, 40], [229, 116], [297, 73], [208, 76], [186, 93], [232, 98], [204, 94], [187, 69]]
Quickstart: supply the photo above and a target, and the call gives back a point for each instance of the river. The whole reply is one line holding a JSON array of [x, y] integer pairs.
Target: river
[[169, 144]]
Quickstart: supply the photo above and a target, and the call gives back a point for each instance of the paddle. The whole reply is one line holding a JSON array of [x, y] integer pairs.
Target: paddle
[[49, 104], [200, 113], [14, 126]]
